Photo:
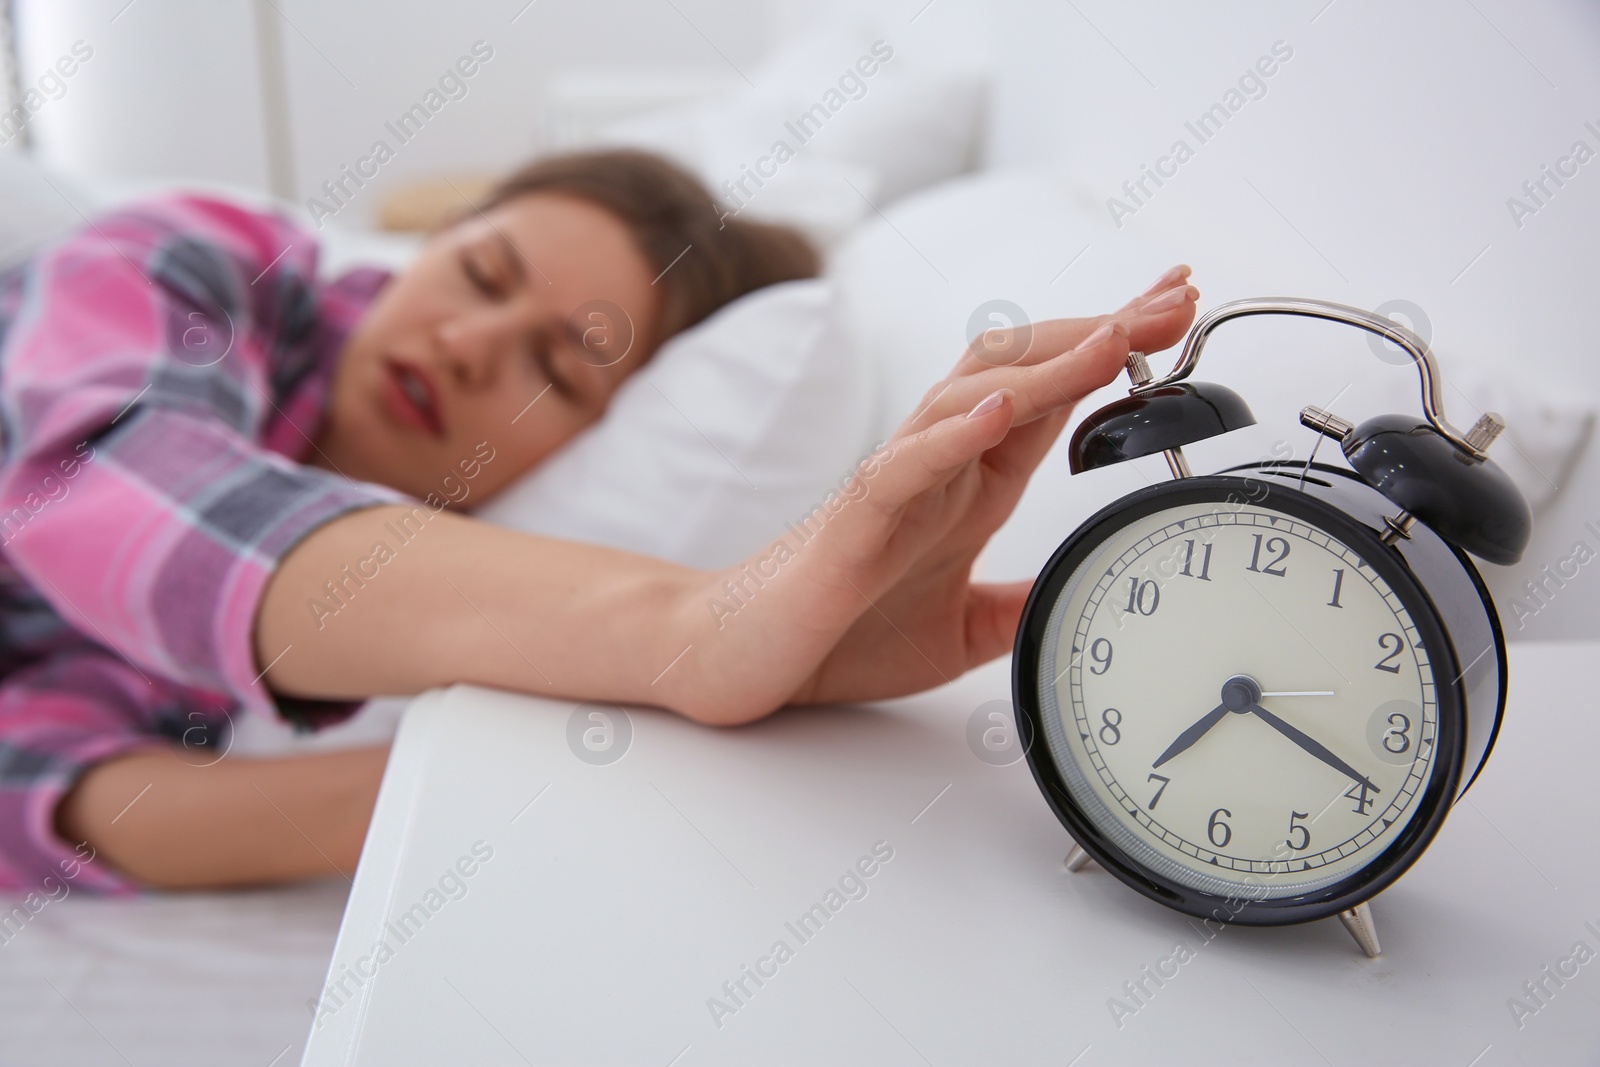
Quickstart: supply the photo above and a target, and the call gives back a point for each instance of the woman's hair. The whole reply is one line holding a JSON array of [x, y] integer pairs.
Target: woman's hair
[[704, 257]]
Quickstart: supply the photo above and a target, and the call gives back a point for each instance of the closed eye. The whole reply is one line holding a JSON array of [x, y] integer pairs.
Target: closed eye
[[479, 277], [544, 359]]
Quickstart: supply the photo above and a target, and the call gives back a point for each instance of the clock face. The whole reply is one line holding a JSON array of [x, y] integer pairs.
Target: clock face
[[1238, 701]]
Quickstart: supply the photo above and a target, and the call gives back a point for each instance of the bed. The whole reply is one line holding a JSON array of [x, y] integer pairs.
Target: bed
[[226, 978]]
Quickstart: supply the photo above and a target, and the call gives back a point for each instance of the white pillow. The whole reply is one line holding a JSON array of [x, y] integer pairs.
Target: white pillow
[[906, 125], [1027, 237], [1023, 236], [735, 427]]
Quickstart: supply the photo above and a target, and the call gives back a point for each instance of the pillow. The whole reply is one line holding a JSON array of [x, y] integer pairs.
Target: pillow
[[916, 283], [917, 286], [836, 124], [735, 427], [1022, 236]]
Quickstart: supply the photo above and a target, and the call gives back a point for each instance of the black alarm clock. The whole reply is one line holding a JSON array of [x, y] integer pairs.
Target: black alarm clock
[[1253, 696]]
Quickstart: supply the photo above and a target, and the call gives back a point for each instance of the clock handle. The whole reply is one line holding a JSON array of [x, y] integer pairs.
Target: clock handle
[[1388, 329]]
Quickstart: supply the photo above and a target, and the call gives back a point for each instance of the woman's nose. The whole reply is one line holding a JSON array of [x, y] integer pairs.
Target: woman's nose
[[473, 349]]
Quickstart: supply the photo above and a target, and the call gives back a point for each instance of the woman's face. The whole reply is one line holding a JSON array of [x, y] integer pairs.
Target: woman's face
[[510, 332]]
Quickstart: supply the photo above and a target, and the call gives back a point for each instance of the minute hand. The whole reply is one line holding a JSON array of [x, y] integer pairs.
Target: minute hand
[[1311, 745]]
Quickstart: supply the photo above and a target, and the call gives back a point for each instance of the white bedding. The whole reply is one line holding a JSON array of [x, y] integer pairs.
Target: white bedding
[[191, 980]]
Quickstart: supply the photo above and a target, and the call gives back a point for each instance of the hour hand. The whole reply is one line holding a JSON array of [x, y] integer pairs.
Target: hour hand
[[1311, 745], [1193, 733]]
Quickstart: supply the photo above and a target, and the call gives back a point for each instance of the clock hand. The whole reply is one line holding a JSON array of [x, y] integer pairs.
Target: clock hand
[[1238, 694], [1193, 733], [1311, 745]]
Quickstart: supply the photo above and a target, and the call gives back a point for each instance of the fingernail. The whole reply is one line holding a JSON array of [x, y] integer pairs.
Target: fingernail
[[1170, 278], [989, 403], [1106, 330], [1172, 298]]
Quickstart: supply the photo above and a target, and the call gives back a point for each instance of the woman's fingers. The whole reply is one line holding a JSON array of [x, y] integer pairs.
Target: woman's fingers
[[1160, 322], [1172, 277], [993, 612], [1024, 345], [931, 456], [1040, 388], [1030, 343]]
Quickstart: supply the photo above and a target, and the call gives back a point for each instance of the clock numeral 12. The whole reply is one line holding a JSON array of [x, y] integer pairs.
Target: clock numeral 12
[[1274, 568], [1205, 561]]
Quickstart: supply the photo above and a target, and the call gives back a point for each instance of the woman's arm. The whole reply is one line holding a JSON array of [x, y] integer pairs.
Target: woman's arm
[[395, 600], [374, 603], [238, 822]]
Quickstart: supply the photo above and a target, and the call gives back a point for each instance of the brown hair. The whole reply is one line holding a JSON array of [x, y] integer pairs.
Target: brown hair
[[704, 257]]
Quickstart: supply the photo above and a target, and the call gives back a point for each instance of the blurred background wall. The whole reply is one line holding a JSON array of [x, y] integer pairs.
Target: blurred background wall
[[225, 89]]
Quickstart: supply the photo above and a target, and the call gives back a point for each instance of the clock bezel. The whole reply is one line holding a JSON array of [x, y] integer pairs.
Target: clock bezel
[[1433, 802]]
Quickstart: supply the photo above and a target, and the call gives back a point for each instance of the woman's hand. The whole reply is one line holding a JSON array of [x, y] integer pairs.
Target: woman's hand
[[880, 603]]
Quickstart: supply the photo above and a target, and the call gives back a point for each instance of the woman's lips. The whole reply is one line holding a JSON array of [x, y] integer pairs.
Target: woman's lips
[[410, 396]]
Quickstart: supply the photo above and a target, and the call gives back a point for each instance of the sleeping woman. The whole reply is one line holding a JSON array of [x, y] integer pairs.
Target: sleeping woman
[[201, 440]]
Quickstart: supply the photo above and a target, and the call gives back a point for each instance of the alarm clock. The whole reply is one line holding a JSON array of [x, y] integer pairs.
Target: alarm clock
[[1253, 696]]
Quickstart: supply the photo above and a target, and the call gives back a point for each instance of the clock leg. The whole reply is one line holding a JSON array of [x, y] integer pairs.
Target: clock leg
[[1076, 860], [1358, 920]]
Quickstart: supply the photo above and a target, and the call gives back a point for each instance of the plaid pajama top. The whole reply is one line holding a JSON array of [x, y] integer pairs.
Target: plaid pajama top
[[162, 375]]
